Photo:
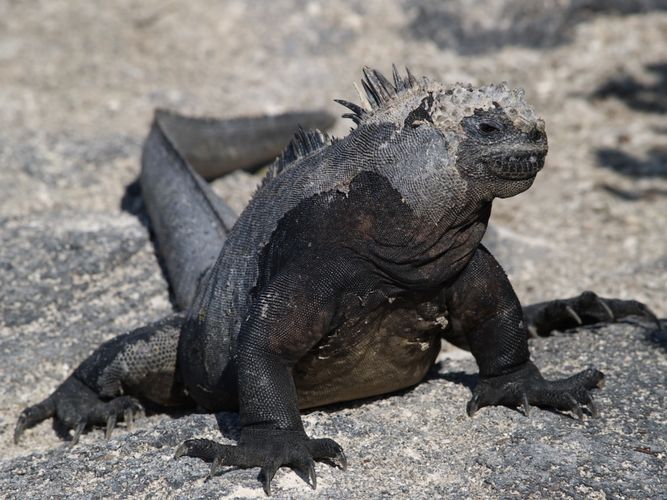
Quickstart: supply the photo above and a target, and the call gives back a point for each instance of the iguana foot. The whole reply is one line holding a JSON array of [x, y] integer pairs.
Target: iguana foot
[[585, 309], [526, 387], [269, 449], [77, 407]]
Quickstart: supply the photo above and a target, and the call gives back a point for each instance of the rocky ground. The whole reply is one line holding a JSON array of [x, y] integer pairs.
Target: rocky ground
[[78, 83]]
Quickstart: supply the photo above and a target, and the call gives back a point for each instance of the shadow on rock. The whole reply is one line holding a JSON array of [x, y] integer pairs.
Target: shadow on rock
[[654, 165], [535, 24], [468, 380], [647, 98], [133, 203], [644, 97], [658, 337], [648, 194]]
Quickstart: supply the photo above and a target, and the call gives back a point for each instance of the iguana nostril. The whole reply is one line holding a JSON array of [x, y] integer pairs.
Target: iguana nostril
[[535, 135], [487, 128]]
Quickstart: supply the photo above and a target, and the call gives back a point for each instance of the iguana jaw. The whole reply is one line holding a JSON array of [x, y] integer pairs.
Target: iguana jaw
[[518, 166]]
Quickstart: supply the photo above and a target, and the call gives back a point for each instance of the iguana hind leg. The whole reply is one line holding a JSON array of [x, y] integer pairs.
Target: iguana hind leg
[[77, 406], [109, 384]]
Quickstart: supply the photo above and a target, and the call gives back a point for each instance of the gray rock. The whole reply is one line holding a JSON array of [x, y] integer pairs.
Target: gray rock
[[417, 444]]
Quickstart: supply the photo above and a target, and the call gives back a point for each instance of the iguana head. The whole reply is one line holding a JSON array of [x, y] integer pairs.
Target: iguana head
[[500, 141], [494, 140]]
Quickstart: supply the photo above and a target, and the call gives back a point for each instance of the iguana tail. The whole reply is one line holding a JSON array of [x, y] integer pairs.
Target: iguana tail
[[216, 147], [189, 221]]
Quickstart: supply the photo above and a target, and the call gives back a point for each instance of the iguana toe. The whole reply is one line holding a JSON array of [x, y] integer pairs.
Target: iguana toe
[[328, 451]]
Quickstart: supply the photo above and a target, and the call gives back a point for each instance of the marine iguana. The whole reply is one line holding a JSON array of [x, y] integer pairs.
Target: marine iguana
[[338, 281]]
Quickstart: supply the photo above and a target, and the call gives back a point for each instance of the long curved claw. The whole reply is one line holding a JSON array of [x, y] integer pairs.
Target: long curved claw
[[328, 451], [216, 466], [267, 474], [33, 415], [652, 316], [111, 423], [532, 331], [306, 467], [526, 405], [576, 409], [607, 309], [128, 417], [473, 405], [80, 426], [311, 475], [181, 451], [20, 428], [590, 404], [339, 461], [574, 315]]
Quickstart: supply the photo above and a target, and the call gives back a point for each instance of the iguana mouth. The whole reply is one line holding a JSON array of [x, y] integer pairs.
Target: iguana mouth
[[517, 166]]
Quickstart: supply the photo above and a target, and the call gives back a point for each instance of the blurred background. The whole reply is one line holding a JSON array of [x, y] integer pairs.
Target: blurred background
[[79, 80]]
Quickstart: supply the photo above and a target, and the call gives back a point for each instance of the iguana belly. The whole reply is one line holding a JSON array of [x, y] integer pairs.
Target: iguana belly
[[383, 352]]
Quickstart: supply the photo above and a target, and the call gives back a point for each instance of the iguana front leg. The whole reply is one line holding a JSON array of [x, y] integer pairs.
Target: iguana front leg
[[585, 309], [483, 306], [289, 316]]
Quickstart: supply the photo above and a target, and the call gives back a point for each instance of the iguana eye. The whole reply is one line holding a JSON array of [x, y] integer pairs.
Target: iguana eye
[[487, 128]]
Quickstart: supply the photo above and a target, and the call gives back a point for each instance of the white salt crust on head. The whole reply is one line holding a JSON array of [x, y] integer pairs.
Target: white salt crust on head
[[451, 104]]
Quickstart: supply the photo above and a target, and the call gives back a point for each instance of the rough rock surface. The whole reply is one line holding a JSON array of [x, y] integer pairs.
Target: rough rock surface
[[78, 82]]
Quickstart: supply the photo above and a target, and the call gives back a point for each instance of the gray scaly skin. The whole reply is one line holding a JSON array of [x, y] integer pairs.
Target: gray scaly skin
[[352, 261]]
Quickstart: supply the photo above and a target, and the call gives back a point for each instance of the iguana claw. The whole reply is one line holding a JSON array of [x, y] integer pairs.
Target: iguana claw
[[526, 405], [574, 315], [80, 426], [604, 306], [111, 423]]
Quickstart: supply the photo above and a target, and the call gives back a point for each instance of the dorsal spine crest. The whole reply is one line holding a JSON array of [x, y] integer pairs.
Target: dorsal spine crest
[[304, 143], [379, 91]]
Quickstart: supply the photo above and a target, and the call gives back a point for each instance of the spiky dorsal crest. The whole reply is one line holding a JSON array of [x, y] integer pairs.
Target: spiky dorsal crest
[[302, 144], [379, 91]]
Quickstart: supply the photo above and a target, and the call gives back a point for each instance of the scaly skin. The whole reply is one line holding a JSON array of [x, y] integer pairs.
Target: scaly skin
[[354, 258]]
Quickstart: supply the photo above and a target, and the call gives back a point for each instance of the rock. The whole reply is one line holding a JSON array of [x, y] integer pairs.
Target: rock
[[416, 444]]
